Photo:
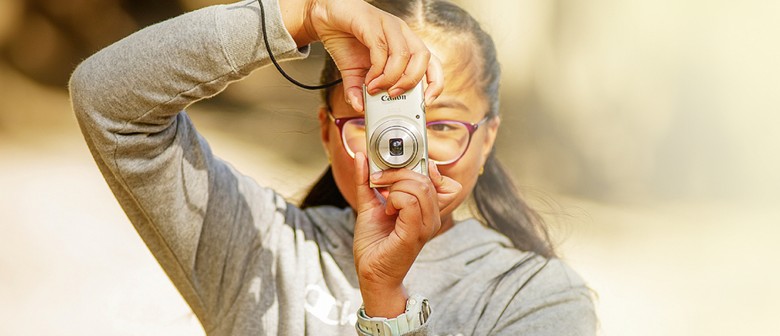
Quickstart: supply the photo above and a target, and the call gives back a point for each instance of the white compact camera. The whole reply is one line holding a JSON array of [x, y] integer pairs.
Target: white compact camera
[[395, 131]]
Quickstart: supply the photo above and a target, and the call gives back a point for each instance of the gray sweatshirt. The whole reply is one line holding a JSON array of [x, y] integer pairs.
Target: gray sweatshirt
[[246, 261]]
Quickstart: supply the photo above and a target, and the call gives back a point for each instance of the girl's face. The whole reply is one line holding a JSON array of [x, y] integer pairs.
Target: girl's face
[[461, 100]]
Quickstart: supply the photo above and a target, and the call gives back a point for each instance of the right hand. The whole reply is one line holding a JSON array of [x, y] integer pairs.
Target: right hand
[[368, 45], [389, 234]]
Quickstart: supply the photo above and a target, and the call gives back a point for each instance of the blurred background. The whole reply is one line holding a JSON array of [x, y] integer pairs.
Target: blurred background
[[646, 132]]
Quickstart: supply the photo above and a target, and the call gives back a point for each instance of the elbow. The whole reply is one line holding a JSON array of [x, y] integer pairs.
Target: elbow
[[79, 90]]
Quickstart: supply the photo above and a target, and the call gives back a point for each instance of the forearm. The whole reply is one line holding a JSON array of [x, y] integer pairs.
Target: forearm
[[153, 74]]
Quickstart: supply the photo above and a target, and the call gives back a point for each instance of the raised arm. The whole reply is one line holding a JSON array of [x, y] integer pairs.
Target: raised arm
[[191, 209]]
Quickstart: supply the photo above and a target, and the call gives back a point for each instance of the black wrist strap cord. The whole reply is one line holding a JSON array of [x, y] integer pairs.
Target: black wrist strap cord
[[276, 64]]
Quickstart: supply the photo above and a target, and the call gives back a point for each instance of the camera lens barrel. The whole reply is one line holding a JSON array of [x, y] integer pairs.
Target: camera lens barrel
[[396, 143]]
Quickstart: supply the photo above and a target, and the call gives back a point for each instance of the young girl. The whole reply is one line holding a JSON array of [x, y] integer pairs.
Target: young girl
[[351, 259]]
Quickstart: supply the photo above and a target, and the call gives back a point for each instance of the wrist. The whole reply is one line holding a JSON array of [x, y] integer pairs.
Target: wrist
[[387, 302], [416, 314], [296, 15]]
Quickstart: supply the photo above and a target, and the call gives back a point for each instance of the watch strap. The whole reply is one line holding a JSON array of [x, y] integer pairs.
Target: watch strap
[[415, 316]]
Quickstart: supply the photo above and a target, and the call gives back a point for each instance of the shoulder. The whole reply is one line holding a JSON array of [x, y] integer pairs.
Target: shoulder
[[545, 297], [551, 276], [524, 270], [533, 295]]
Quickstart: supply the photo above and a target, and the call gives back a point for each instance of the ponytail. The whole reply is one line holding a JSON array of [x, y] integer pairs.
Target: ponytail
[[325, 192], [502, 208]]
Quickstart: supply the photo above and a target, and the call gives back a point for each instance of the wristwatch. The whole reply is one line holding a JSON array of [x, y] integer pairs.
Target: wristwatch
[[416, 314]]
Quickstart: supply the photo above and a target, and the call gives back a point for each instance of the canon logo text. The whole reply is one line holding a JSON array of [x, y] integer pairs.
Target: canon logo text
[[388, 98]]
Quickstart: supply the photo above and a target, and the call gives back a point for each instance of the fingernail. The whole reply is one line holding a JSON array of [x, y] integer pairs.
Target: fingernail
[[371, 87], [395, 92], [356, 106], [376, 176]]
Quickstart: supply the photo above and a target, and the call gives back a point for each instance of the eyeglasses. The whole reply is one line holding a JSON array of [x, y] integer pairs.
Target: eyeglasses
[[448, 140]]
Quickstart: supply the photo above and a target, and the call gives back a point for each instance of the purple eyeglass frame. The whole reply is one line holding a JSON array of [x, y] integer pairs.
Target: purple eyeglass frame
[[340, 122]]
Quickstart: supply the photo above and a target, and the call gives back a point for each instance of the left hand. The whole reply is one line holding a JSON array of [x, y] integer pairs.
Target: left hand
[[368, 45]]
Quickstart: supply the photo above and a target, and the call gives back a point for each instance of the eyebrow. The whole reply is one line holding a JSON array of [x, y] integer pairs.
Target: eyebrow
[[449, 103]]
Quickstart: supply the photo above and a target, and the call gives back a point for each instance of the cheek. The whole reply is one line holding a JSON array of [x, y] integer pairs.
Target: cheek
[[465, 171], [467, 168], [343, 168]]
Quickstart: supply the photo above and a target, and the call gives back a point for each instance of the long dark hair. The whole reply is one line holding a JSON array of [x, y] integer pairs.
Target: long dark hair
[[495, 196]]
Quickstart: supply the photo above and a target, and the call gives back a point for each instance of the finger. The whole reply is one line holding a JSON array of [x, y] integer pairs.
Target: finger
[[412, 183], [366, 199], [426, 201], [398, 56], [435, 78], [390, 176], [443, 184], [415, 68], [353, 88], [397, 201], [354, 97], [412, 225], [447, 189], [435, 174], [353, 73], [378, 51]]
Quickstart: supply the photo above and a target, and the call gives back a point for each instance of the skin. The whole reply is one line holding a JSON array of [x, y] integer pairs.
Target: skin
[[389, 235]]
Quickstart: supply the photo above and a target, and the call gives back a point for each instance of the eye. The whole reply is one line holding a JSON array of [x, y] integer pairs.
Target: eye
[[357, 123], [442, 127]]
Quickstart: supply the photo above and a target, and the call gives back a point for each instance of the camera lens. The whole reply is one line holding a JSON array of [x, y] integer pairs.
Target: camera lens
[[394, 144], [396, 147]]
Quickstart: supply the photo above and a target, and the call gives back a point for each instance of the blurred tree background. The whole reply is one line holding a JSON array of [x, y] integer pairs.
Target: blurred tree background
[[46, 39], [614, 101], [654, 124]]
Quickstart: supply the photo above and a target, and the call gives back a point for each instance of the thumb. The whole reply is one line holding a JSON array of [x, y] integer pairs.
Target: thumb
[[446, 187], [366, 198], [353, 88], [443, 184]]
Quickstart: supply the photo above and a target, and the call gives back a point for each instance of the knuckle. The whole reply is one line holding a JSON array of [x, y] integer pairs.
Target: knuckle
[[405, 81], [380, 44], [403, 53], [425, 54], [457, 189], [425, 188]]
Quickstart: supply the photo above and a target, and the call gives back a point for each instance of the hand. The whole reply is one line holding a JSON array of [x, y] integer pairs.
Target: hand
[[389, 235], [368, 45]]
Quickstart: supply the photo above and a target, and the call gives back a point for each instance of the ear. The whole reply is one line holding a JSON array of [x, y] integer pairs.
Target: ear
[[491, 131], [322, 115]]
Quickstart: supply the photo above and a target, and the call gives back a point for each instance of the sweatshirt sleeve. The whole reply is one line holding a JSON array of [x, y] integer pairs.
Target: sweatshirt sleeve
[[197, 215]]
